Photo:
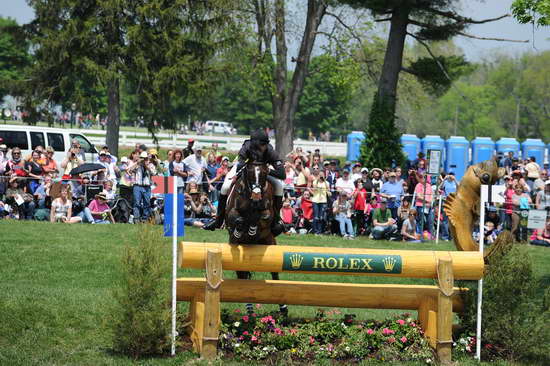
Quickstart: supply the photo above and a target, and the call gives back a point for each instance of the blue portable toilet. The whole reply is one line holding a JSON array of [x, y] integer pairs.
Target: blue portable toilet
[[506, 144], [433, 142], [411, 146], [533, 147], [483, 148], [355, 139], [458, 155]]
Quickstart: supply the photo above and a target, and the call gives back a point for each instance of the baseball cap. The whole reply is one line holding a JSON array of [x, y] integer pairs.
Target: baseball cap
[[3, 146], [364, 170], [357, 164], [190, 140], [326, 162], [102, 153], [124, 159], [225, 158], [143, 154]]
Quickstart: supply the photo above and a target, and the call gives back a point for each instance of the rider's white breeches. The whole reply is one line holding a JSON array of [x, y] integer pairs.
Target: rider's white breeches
[[276, 183]]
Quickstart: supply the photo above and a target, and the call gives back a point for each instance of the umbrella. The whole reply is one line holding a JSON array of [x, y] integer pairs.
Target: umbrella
[[87, 167]]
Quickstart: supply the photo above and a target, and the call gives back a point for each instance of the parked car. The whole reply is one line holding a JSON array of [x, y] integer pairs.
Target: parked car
[[220, 127], [27, 138]]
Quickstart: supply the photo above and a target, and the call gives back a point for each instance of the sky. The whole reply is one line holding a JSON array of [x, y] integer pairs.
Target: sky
[[475, 50]]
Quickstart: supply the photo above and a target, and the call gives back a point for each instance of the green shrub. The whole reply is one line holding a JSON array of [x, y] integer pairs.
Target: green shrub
[[140, 318], [514, 318]]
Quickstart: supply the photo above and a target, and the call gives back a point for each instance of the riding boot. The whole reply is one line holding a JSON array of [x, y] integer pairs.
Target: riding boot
[[277, 227], [220, 215]]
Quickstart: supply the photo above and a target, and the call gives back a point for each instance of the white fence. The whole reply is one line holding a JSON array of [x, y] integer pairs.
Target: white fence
[[230, 143]]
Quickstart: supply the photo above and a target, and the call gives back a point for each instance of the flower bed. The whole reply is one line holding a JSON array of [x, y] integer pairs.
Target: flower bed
[[331, 335]]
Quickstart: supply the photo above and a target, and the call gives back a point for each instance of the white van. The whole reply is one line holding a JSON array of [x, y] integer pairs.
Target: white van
[[219, 127], [27, 138]]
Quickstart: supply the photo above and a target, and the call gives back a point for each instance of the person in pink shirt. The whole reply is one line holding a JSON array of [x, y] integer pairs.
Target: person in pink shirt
[[287, 214], [100, 210], [423, 204]]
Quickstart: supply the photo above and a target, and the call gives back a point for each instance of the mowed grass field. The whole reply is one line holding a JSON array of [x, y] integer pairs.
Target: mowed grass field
[[56, 286]]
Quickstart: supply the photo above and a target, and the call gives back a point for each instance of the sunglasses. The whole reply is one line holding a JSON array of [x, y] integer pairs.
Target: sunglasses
[[16, 153]]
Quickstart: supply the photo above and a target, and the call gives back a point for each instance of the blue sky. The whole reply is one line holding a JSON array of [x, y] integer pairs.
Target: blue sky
[[539, 39]]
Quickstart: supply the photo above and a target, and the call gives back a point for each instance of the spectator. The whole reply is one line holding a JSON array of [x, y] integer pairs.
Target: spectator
[[542, 200], [205, 209], [212, 167], [100, 210], [42, 192], [521, 202], [393, 193], [398, 176], [16, 166], [21, 201], [305, 205], [423, 204], [34, 171], [142, 172], [542, 236], [408, 229], [341, 209], [288, 215], [222, 171], [177, 169], [356, 172], [290, 174], [188, 150], [303, 175], [493, 217], [109, 191], [533, 171], [376, 180], [383, 223], [71, 161], [319, 190], [195, 166], [126, 179], [332, 177], [359, 199], [169, 159], [62, 208], [403, 212], [508, 162], [345, 184], [77, 148], [50, 166], [539, 183], [489, 233]]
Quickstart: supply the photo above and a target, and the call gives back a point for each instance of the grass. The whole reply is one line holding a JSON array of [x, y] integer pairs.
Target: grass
[[57, 281]]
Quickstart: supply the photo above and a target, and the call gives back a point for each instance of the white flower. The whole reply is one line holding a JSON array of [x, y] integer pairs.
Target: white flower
[[428, 360], [347, 349], [237, 345], [236, 324], [265, 348]]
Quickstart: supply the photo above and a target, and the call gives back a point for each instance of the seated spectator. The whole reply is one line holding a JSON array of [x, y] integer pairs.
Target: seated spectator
[[205, 209], [408, 229], [21, 202], [542, 236], [99, 210], [384, 224], [403, 212], [369, 211], [42, 192], [345, 184], [342, 213], [493, 217], [542, 200], [62, 208]]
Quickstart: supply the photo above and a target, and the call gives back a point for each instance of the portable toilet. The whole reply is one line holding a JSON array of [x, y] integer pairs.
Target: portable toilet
[[457, 155], [355, 139], [483, 148], [506, 144], [411, 146], [533, 147]]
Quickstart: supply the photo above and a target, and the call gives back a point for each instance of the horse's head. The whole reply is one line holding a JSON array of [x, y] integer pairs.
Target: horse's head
[[255, 180]]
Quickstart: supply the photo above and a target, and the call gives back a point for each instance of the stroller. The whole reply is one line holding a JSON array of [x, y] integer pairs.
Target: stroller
[[121, 210]]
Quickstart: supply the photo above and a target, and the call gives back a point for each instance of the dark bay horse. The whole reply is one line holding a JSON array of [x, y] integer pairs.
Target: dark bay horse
[[250, 212]]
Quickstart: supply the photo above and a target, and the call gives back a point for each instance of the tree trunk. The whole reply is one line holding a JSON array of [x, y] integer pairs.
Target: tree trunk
[[286, 98], [393, 59], [113, 115]]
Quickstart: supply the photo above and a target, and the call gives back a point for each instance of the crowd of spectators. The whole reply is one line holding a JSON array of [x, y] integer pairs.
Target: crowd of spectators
[[321, 197]]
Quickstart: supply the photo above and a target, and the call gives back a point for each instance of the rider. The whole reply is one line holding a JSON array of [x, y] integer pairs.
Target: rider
[[256, 149]]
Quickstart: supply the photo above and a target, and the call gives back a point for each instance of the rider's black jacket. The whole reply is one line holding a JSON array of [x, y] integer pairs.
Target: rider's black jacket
[[270, 156]]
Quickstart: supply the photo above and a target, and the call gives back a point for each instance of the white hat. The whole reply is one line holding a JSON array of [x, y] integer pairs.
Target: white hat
[[143, 154], [225, 158], [124, 159], [364, 170]]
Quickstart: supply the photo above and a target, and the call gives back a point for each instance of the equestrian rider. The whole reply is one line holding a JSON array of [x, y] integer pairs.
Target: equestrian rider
[[257, 149]]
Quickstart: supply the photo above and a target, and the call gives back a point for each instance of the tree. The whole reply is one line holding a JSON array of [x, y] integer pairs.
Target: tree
[[158, 45], [536, 12], [14, 56]]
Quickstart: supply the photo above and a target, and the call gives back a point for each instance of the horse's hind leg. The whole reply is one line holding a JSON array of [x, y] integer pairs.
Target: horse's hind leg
[[245, 275], [282, 307]]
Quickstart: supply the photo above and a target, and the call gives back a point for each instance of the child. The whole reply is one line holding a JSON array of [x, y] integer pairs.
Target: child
[[288, 215]]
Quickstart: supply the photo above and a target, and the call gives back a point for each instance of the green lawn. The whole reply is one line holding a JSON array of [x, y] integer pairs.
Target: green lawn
[[56, 283]]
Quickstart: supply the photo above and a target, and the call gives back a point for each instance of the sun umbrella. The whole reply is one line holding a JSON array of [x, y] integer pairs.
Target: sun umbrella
[[86, 167]]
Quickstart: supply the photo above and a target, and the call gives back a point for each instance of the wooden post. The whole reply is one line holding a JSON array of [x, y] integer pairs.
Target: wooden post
[[212, 304], [197, 321], [445, 310], [427, 317]]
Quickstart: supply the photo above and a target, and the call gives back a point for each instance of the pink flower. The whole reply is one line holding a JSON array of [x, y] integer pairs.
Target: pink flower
[[401, 322], [237, 310], [241, 338], [403, 339], [311, 340], [293, 331], [413, 324], [245, 333], [258, 306], [268, 319], [254, 315], [336, 311], [330, 347], [370, 331], [278, 331], [391, 340], [387, 331], [257, 333], [253, 339], [245, 318]]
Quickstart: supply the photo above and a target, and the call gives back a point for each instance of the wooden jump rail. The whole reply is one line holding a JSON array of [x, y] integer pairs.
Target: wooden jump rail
[[435, 304]]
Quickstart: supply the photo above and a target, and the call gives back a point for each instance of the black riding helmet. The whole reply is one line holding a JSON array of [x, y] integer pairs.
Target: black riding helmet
[[259, 137]]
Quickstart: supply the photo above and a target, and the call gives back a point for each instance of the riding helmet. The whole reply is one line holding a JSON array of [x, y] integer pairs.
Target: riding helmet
[[259, 136]]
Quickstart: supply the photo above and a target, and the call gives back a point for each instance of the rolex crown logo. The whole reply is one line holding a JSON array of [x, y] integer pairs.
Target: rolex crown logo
[[296, 260], [389, 263]]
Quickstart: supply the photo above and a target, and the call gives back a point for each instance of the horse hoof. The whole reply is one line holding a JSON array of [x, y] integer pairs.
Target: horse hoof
[[277, 229]]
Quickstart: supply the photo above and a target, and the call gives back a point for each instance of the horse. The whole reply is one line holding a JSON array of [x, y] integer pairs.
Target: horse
[[249, 213]]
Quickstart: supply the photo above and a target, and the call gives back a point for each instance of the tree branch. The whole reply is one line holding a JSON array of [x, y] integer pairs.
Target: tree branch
[[382, 20], [491, 38], [409, 71], [350, 30], [461, 19]]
